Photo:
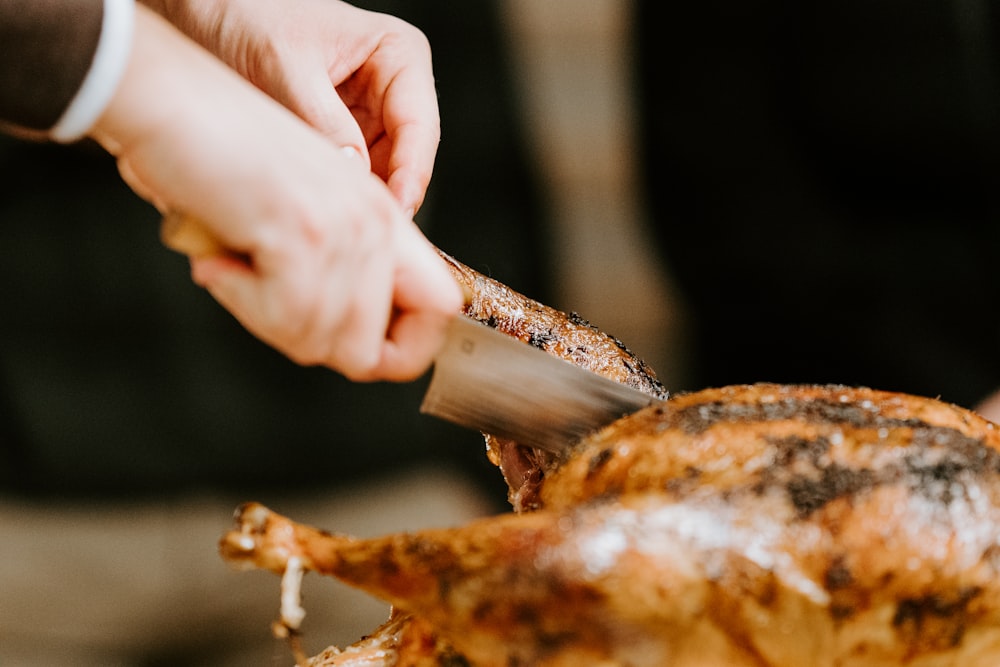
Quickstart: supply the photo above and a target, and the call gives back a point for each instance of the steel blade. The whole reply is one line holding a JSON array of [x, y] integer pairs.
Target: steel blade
[[485, 380]]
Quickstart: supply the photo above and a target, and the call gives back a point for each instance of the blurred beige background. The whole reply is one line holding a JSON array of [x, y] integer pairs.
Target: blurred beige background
[[141, 583], [574, 64]]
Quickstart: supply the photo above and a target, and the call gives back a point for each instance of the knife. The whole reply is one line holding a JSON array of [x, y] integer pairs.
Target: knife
[[485, 380], [500, 385]]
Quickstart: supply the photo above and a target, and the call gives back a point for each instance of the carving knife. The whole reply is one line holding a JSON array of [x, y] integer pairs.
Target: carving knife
[[485, 380]]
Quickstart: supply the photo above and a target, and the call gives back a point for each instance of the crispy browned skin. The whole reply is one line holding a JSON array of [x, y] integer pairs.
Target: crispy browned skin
[[564, 335], [403, 641], [750, 526], [763, 525]]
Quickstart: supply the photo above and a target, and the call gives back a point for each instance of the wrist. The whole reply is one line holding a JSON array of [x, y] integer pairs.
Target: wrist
[[105, 74], [131, 109], [158, 6], [180, 121]]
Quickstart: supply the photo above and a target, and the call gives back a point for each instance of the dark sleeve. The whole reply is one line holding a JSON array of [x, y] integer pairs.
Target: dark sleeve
[[47, 49]]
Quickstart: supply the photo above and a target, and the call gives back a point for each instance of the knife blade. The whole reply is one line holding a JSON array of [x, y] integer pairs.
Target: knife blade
[[485, 380]]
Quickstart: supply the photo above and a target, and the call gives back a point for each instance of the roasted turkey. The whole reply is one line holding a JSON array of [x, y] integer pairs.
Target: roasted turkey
[[758, 526]]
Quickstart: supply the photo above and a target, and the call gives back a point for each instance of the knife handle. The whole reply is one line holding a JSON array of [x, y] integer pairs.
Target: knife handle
[[188, 236]]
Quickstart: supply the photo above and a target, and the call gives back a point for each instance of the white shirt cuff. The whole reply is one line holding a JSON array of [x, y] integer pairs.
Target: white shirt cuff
[[105, 73]]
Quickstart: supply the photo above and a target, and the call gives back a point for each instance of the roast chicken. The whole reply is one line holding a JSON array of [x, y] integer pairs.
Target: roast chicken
[[746, 526]]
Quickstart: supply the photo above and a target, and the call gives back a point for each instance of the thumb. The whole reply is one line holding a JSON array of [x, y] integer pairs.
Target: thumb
[[312, 97]]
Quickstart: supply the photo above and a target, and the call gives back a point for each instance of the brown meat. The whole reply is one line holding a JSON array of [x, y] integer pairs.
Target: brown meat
[[750, 526], [564, 335], [567, 336], [760, 526]]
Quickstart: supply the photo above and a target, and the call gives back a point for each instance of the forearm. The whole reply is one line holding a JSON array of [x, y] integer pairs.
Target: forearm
[[197, 19], [158, 6], [180, 122], [157, 88]]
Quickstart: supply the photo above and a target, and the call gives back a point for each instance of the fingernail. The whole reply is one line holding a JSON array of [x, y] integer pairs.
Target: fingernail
[[351, 152]]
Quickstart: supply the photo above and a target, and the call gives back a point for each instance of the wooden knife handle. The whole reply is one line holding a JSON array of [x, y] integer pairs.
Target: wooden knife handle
[[189, 236]]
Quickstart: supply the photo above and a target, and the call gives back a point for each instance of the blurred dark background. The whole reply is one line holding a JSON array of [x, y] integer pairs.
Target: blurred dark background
[[823, 182]]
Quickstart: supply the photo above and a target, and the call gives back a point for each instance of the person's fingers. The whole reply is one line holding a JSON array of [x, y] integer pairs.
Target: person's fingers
[[209, 270], [356, 342], [334, 316], [410, 163], [410, 121], [414, 145], [426, 297], [990, 407], [309, 93], [387, 326]]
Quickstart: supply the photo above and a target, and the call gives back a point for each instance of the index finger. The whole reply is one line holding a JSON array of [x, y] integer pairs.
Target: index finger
[[412, 132]]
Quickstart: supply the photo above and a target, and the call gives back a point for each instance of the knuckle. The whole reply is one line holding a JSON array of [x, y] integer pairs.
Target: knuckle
[[406, 34], [358, 364]]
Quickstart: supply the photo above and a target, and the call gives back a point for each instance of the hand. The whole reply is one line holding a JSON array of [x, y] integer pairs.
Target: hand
[[989, 407], [362, 78], [335, 272]]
